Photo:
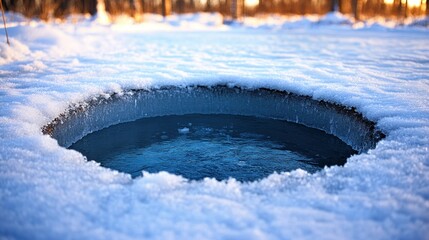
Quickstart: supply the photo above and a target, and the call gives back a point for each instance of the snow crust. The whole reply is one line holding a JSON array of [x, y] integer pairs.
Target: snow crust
[[48, 192]]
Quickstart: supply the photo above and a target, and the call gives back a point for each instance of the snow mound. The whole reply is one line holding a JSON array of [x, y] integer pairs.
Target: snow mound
[[17, 51], [332, 19], [295, 22], [335, 18], [155, 22], [196, 20], [278, 22], [419, 22], [302, 22]]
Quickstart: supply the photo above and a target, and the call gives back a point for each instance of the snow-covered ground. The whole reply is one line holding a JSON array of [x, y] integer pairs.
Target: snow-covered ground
[[48, 192]]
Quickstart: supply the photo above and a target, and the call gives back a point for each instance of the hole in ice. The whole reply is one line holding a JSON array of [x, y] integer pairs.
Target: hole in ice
[[216, 131], [216, 146]]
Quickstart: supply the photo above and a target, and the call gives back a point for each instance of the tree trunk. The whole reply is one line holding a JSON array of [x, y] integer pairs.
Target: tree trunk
[[282, 6], [235, 9], [406, 9], [166, 7], [208, 6], [180, 6], [192, 5], [335, 5], [138, 10], [261, 6], [427, 7], [356, 8]]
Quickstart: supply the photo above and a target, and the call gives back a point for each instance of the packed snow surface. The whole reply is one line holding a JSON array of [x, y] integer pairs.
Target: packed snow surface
[[49, 192]]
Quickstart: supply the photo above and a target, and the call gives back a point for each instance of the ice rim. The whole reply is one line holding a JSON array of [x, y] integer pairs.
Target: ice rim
[[110, 109]]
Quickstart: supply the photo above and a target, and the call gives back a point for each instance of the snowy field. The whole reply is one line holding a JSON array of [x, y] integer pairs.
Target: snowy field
[[48, 192]]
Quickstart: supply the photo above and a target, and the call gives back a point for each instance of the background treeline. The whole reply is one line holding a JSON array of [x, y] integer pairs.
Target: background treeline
[[361, 9]]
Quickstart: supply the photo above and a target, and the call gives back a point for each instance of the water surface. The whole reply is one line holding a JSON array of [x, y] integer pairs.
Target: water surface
[[215, 145]]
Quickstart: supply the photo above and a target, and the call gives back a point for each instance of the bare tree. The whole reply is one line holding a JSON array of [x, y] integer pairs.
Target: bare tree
[[47, 9], [335, 6], [138, 10], [180, 6], [4, 22], [427, 7], [208, 6], [261, 5], [166, 7], [356, 9], [192, 5], [235, 9]]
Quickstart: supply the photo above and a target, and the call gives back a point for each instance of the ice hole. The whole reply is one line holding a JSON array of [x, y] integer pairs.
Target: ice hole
[[217, 132]]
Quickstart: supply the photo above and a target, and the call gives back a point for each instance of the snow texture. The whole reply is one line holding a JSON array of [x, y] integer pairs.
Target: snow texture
[[49, 192]]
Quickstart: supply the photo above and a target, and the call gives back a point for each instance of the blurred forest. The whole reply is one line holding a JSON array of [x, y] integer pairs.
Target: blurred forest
[[235, 9]]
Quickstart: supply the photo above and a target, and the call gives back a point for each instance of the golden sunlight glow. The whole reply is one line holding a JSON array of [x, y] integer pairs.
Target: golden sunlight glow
[[251, 3], [411, 3], [414, 3]]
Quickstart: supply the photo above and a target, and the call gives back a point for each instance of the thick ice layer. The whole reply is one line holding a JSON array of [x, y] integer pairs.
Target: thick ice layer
[[333, 119]]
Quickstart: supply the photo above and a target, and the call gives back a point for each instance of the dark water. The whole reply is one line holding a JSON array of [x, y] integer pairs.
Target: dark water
[[217, 146]]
